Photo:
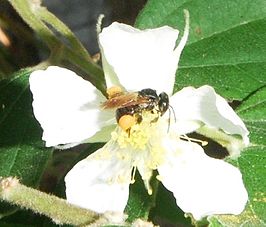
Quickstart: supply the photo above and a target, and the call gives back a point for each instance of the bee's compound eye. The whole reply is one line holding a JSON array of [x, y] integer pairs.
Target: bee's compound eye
[[163, 102], [114, 91], [126, 122]]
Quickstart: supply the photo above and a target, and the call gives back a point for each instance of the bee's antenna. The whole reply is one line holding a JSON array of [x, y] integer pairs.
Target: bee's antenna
[[169, 119]]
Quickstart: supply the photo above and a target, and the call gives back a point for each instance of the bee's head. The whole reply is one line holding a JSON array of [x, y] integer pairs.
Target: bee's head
[[163, 103]]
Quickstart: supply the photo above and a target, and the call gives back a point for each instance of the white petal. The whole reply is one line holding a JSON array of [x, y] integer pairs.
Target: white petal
[[204, 105], [66, 106], [99, 182], [103, 136], [202, 185], [138, 59], [182, 127]]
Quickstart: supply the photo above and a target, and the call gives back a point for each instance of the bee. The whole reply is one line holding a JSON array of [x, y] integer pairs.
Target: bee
[[130, 106]]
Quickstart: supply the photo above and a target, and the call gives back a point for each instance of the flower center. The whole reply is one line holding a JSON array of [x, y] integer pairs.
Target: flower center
[[142, 148], [140, 135]]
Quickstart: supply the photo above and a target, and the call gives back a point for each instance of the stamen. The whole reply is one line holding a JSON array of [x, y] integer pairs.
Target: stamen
[[148, 187], [185, 137], [132, 181], [143, 141], [99, 24], [159, 178]]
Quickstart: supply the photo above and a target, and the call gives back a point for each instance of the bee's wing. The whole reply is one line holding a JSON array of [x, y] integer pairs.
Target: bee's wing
[[123, 100]]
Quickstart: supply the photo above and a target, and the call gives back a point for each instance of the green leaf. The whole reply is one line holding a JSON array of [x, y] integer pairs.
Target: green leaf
[[226, 47], [3, 224], [253, 112], [252, 164], [22, 153], [27, 218], [139, 202], [166, 212]]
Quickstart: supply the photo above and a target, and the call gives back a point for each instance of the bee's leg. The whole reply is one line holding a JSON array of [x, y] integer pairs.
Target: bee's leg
[[128, 132], [119, 113], [155, 119], [138, 118], [125, 118], [155, 111]]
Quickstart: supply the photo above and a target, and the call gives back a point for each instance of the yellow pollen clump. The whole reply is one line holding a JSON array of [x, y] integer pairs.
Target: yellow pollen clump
[[114, 91], [126, 122]]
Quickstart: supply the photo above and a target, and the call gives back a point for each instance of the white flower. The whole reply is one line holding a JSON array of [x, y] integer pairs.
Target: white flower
[[67, 108]]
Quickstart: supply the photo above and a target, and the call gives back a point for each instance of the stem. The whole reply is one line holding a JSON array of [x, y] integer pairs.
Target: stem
[[155, 186], [26, 10], [75, 44], [60, 53], [57, 209]]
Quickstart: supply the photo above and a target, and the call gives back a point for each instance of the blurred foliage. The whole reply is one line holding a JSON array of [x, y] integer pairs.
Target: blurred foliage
[[226, 49], [19, 47]]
